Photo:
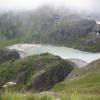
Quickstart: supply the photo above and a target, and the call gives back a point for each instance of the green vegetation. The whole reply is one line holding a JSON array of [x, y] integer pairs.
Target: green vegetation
[[47, 25], [86, 86], [24, 96], [83, 84], [78, 96], [31, 70], [83, 80], [42, 72], [89, 83], [4, 41], [34, 96]]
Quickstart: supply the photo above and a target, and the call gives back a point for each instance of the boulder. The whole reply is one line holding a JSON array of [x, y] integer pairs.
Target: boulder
[[6, 55]]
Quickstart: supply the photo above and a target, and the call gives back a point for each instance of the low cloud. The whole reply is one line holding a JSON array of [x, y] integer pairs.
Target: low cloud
[[86, 5]]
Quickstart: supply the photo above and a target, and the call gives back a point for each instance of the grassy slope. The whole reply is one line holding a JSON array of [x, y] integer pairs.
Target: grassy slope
[[22, 70], [31, 96], [86, 86], [86, 83], [87, 80], [26, 96]]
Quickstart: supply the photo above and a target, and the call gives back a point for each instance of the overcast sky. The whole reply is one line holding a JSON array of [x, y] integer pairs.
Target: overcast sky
[[91, 5]]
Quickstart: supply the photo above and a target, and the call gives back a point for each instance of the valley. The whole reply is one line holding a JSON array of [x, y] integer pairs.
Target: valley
[[49, 54]]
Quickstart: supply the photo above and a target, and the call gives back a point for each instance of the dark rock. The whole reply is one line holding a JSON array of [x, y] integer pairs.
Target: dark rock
[[6, 55], [38, 72], [46, 79], [73, 30]]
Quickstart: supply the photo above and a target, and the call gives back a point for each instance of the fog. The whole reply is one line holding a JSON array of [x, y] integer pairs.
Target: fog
[[79, 5]]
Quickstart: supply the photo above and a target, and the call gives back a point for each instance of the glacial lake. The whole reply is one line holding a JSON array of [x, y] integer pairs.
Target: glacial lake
[[63, 52]]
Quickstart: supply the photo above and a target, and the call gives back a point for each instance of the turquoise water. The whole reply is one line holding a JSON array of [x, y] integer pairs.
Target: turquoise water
[[63, 52]]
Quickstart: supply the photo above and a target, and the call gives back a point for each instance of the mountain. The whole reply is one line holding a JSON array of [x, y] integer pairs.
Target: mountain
[[63, 79], [47, 25]]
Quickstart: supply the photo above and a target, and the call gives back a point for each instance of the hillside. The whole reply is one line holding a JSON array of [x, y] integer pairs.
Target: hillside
[[45, 76], [47, 25], [43, 72], [94, 66], [87, 80], [38, 72]]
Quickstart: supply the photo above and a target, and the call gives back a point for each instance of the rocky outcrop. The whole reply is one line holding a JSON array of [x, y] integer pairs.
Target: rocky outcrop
[[38, 72], [6, 55], [73, 29], [48, 78]]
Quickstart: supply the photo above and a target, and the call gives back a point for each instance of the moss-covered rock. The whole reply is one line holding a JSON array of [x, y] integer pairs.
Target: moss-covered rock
[[49, 77], [27, 73]]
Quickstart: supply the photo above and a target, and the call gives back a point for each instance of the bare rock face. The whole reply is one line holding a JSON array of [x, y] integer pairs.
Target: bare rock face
[[6, 55], [73, 29], [49, 77], [78, 62]]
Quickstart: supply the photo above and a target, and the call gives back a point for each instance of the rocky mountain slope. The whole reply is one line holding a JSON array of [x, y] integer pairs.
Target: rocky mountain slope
[[42, 72], [49, 25], [38, 72]]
